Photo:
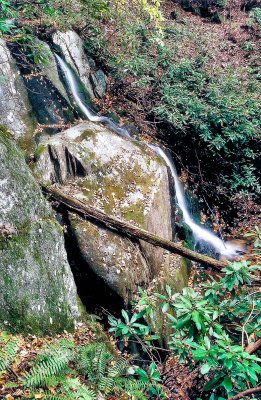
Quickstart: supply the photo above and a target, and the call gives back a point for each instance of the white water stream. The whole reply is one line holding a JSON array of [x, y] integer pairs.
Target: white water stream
[[73, 85], [199, 233]]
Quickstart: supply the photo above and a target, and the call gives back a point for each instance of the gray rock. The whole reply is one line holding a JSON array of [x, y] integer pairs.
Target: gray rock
[[49, 69], [72, 48], [123, 178], [15, 109], [98, 80], [37, 289]]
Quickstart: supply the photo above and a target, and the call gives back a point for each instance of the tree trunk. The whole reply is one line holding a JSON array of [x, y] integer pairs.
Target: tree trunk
[[128, 229]]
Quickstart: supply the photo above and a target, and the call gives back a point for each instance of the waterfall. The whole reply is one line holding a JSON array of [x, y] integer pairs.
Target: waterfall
[[87, 111], [199, 233]]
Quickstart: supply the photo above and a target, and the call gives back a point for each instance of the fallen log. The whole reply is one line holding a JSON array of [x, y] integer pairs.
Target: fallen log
[[127, 229]]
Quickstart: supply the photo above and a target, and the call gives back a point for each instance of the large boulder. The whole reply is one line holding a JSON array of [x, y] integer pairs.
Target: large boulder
[[15, 109], [37, 289], [72, 48], [125, 179]]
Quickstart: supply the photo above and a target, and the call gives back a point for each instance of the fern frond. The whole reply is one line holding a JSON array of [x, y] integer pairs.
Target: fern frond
[[8, 352], [94, 359], [119, 368], [75, 390], [51, 362], [106, 384]]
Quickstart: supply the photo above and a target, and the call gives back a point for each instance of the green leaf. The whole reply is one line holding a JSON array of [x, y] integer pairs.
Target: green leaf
[[205, 369], [165, 307], [142, 374], [227, 383], [196, 318], [182, 322], [212, 384], [125, 316]]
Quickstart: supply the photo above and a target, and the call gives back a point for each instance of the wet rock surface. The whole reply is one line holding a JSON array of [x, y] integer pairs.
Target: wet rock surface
[[73, 51]]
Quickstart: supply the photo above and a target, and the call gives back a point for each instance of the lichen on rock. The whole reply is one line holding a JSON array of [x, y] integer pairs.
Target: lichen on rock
[[37, 289], [123, 178], [15, 109]]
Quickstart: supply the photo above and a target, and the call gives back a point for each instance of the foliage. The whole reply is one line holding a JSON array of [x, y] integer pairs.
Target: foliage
[[254, 17], [256, 233], [220, 113], [210, 328], [8, 350], [66, 370], [6, 13]]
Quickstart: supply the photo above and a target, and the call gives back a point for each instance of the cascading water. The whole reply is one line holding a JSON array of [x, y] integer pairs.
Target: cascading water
[[73, 85], [199, 233]]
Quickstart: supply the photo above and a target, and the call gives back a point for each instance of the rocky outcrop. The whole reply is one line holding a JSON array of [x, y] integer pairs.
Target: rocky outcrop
[[37, 289], [50, 70], [15, 109], [123, 178], [72, 48]]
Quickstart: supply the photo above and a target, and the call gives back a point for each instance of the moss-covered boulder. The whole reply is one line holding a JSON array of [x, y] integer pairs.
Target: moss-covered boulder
[[37, 289], [123, 178], [15, 109]]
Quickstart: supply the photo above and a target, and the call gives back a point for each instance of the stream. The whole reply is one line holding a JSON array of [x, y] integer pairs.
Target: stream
[[200, 233]]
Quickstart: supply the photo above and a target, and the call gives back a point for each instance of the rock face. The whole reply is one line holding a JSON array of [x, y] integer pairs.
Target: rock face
[[15, 110], [50, 70], [37, 289], [72, 48], [123, 178]]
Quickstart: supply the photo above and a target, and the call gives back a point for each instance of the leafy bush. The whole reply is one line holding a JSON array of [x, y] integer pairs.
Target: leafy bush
[[6, 13], [254, 20], [205, 8], [210, 329], [220, 114]]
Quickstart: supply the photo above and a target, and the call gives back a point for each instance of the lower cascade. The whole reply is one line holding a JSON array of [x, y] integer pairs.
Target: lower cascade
[[199, 233]]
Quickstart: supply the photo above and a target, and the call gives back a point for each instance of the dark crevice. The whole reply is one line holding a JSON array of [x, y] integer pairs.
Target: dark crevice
[[74, 166], [93, 291], [56, 165]]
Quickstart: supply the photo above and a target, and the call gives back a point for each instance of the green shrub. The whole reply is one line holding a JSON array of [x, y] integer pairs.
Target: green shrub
[[209, 330], [220, 114]]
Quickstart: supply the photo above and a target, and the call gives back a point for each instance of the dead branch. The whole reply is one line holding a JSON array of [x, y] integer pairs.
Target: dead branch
[[252, 347], [245, 393], [128, 229]]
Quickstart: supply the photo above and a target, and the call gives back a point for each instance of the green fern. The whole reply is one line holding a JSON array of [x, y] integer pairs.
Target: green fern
[[75, 390], [9, 347], [135, 388], [51, 362], [101, 367], [94, 359]]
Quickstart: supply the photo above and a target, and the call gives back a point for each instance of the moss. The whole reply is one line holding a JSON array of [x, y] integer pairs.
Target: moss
[[86, 135], [135, 212], [39, 150], [4, 133], [33, 283]]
